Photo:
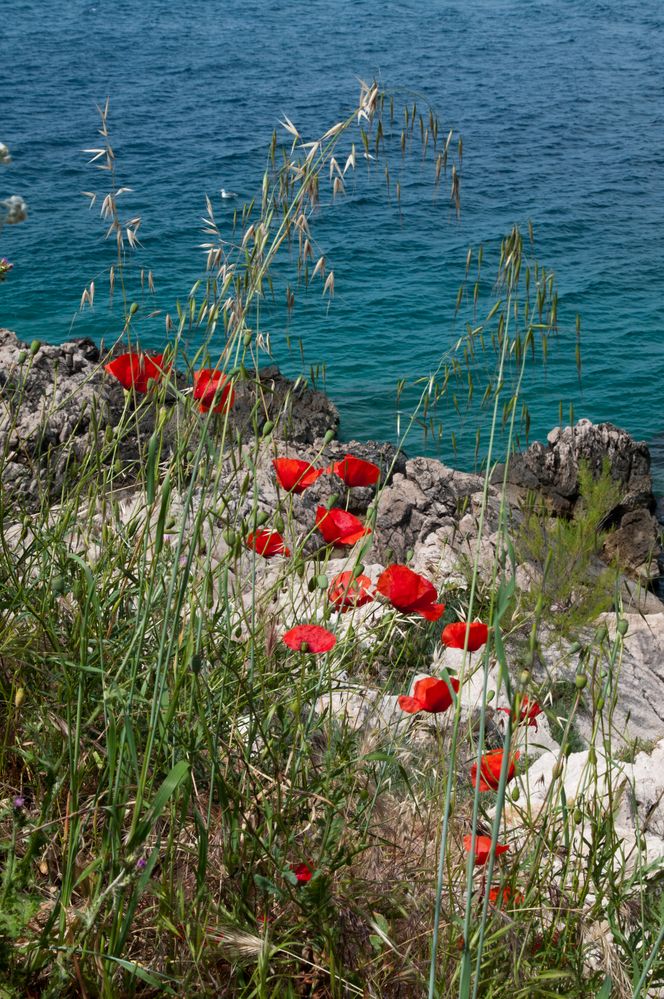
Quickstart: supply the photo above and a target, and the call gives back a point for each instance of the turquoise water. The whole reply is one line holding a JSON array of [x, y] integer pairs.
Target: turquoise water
[[561, 108]]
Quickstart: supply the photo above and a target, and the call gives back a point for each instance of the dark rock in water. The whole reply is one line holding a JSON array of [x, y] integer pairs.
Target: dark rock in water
[[301, 414], [552, 471]]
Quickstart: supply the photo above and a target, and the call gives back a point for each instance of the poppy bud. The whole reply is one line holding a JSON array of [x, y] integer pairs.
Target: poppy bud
[[574, 648], [331, 500], [524, 677], [117, 466], [322, 582], [515, 794], [108, 434], [34, 347], [556, 770], [592, 755], [19, 697], [311, 585], [580, 680], [490, 694], [600, 703], [58, 585], [21, 357], [268, 427], [262, 518], [279, 523], [229, 537], [623, 626], [578, 816], [601, 633], [358, 570], [133, 309], [246, 340]]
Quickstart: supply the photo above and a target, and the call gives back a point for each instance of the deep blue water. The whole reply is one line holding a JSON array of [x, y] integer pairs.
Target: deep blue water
[[561, 107]]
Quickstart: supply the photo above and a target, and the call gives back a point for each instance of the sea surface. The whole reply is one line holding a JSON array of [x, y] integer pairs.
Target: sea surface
[[560, 104]]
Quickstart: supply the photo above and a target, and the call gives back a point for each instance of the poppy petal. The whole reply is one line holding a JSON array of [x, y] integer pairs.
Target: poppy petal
[[454, 635], [356, 472], [347, 591], [339, 527], [267, 543], [295, 475], [315, 638], [409, 704]]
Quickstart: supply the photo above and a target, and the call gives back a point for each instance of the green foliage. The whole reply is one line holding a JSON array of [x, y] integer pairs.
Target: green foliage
[[575, 587]]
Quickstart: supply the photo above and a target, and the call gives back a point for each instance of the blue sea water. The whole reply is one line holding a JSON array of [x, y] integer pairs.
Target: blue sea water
[[561, 107]]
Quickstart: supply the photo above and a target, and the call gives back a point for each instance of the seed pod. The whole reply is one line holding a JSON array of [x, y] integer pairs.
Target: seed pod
[[248, 336], [601, 633], [21, 357], [34, 347], [229, 537], [322, 581], [623, 626], [580, 680], [592, 755], [133, 309], [329, 436], [331, 500], [600, 703]]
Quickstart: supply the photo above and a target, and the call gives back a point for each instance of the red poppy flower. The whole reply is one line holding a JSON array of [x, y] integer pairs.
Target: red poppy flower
[[348, 591], [430, 694], [211, 389], [356, 471], [409, 592], [483, 848], [267, 543], [302, 872], [506, 896], [310, 638], [528, 713], [136, 370], [339, 527], [490, 767], [295, 475], [454, 635]]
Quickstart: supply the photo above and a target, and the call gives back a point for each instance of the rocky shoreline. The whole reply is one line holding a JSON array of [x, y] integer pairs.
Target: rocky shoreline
[[58, 402]]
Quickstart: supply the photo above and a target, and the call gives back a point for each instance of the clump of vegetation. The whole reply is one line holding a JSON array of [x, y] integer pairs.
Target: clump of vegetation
[[220, 774], [573, 586]]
